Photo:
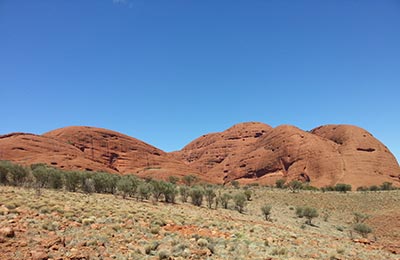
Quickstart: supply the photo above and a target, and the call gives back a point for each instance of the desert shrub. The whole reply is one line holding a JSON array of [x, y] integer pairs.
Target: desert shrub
[[235, 184], [360, 217], [127, 184], [144, 191], [202, 242], [386, 186], [105, 182], [173, 179], [169, 191], [224, 200], [362, 188], [88, 185], [362, 228], [16, 174], [56, 179], [240, 202], [309, 187], [248, 194], [327, 188], [266, 211], [280, 184], [295, 185], [41, 174], [4, 169], [157, 188], [373, 188], [209, 193], [196, 195], [72, 180], [189, 180], [341, 187], [307, 212], [184, 192]]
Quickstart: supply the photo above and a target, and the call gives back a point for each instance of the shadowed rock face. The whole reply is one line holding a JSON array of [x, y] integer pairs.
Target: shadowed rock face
[[248, 152]]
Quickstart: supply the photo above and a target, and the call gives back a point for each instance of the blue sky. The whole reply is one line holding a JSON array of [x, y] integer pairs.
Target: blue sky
[[169, 71]]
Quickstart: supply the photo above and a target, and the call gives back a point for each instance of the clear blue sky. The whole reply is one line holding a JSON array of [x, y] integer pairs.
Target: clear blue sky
[[168, 71]]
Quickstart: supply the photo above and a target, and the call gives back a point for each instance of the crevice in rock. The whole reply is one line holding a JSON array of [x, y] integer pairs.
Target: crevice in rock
[[366, 150]]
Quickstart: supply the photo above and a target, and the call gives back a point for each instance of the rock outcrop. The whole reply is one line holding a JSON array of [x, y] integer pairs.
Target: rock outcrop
[[247, 152], [324, 156]]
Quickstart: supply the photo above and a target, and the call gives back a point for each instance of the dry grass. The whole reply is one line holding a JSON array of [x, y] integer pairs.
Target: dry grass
[[66, 225]]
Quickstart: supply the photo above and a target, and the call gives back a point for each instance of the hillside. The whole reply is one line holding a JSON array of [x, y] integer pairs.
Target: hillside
[[248, 152], [51, 227]]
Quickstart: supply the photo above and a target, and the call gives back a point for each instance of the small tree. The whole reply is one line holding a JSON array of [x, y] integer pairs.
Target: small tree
[[157, 188], [240, 202], [310, 213], [189, 180], [210, 195], [280, 184], [341, 187], [235, 184], [56, 179], [196, 195], [184, 192], [72, 180], [88, 186], [173, 179], [362, 229], [41, 174], [248, 194], [266, 211], [360, 218], [224, 199], [307, 212], [169, 191], [144, 191], [387, 186], [295, 185]]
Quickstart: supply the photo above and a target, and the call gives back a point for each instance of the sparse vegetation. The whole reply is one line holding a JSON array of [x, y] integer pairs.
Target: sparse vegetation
[[152, 231]]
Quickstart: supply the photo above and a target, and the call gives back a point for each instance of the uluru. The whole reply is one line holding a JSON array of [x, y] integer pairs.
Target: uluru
[[249, 152]]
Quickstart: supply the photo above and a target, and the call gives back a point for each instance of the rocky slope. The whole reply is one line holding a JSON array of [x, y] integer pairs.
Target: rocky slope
[[247, 152]]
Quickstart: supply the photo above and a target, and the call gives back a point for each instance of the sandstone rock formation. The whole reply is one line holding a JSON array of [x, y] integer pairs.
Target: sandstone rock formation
[[247, 152], [324, 156], [91, 149]]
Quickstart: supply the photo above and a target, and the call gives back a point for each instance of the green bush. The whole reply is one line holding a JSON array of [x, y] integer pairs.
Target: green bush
[[184, 192], [189, 180], [72, 180], [341, 187], [360, 217], [144, 191], [210, 195], [105, 182], [157, 188], [235, 184], [295, 185], [224, 200], [41, 174], [240, 202], [266, 211], [169, 192], [386, 186], [173, 179], [56, 179], [373, 188], [280, 184], [196, 195], [307, 212], [362, 229], [248, 194], [127, 184]]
